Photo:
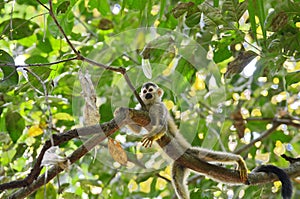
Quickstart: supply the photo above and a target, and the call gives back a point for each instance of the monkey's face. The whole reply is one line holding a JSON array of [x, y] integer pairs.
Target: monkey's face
[[151, 93]]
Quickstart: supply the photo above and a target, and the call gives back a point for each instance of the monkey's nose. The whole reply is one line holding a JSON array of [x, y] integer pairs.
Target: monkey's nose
[[148, 96]]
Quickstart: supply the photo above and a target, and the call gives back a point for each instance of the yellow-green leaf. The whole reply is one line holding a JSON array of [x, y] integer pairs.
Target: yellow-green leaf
[[63, 116]]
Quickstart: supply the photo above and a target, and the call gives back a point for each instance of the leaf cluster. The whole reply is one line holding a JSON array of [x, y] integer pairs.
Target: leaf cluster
[[199, 52]]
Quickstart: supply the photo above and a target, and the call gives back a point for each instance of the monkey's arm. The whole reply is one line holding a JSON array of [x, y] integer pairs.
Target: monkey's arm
[[158, 114], [134, 128]]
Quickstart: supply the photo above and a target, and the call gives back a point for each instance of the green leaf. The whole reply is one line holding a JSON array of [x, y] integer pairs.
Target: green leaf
[[251, 11], [101, 5], [68, 195], [21, 148], [34, 59], [291, 42], [136, 4], [104, 7], [216, 3], [162, 8], [221, 54], [257, 126], [233, 10], [10, 75], [17, 28], [15, 125], [43, 74], [268, 110], [106, 113], [44, 44], [66, 21], [182, 8], [276, 21], [63, 7], [212, 16], [18, 164], [279, 135], [7, 156], [193, 19], [292, 78], [50, 192], [186, 70], [1, 4], [262, 16], [6, 58], [63, 116], [29, 2]]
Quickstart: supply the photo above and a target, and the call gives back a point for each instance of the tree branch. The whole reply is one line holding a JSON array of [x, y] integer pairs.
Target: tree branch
[[261, 137], [104, 130], [291, 121]]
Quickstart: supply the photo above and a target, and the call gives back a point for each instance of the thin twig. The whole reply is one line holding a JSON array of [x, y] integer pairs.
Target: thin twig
[[114, 69], [50, 122], [11, 19], [60, 29], [43, 5], [39, 64], [134, 90]]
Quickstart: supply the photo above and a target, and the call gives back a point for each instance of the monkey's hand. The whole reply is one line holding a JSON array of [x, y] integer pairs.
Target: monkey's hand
[[147, 140], [243, 171]]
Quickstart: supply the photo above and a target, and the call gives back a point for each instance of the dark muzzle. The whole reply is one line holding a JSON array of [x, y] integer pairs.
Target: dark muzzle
[[148, 96]]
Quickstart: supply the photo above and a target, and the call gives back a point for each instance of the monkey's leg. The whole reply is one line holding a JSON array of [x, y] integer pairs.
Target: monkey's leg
[[179, 175], [223, 157]]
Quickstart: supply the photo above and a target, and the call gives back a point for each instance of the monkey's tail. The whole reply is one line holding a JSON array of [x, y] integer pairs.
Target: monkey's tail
[[287, 188]]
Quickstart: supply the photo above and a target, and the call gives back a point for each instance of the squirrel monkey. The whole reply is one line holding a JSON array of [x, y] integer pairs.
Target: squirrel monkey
[[162, 124]]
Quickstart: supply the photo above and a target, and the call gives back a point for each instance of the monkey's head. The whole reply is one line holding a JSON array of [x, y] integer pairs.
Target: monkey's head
[[151, 93]]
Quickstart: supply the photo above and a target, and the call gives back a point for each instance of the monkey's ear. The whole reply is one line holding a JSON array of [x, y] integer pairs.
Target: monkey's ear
[[160, 92]]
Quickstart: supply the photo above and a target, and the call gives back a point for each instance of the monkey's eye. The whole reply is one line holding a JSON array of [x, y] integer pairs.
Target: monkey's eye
[[144, 91], [151, 89]]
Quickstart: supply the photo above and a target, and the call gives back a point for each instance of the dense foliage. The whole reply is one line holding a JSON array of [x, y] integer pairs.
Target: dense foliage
[[229, 70]]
